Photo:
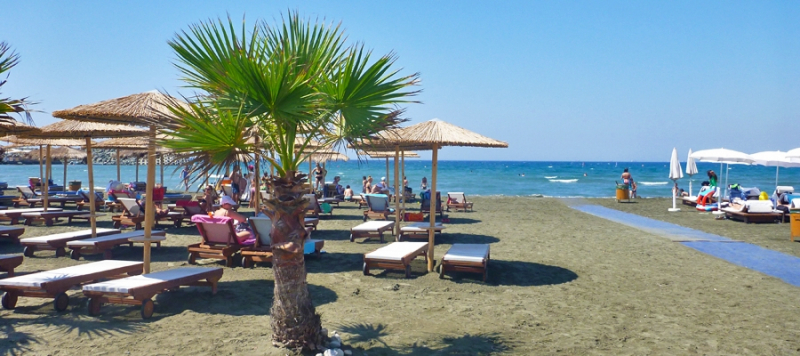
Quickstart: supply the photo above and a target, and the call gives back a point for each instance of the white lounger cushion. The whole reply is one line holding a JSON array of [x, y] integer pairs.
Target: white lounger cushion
[[123, 237], [421, 227], [64, 236], [467, 253], [395, 251], [30, 210], [123, 285], [760, 206], [36, 279], [372, 226], [4, 229]]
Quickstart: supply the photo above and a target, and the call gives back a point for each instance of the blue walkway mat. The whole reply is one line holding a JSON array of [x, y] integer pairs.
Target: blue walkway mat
[[769, 262]]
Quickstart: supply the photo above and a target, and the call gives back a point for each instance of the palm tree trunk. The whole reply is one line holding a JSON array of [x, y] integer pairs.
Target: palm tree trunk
[[295, 323]]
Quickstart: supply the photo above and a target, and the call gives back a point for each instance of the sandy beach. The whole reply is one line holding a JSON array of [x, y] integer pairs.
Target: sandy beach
[[560, 282]]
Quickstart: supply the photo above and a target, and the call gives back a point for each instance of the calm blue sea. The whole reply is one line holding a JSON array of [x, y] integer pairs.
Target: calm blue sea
[[513, 178]]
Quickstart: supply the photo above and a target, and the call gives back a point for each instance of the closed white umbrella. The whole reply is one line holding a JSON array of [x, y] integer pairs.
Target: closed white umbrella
[[775, 159], [691, 169], [675, 173]]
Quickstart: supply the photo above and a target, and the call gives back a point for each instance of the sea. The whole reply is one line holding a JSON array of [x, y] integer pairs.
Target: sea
[[475, 178]]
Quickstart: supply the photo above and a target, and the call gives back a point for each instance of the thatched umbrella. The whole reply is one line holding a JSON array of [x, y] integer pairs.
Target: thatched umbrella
[[17, 141], [15, 128], [133, 144], [63, 152], [145, 109], [430, 135], [71, 129]]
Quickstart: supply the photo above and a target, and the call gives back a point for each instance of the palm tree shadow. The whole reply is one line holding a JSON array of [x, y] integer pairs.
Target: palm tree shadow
[[335, 262], [481, 344]]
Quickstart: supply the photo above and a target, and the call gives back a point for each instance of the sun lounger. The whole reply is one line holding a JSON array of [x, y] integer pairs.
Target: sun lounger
[[377, 207], [58, 242], [13, 215], [419, 230], [9, 262], [314, 209], [54, 283], [28, 197], [261, 250], [49, 217], [219, 240], [133, 215], [397, 256], [99, 202], [458, 201], [139, 290], [11, 232], [425, 205], [371, 229], [466, 258], [311, 222], [104, 244], [753, 212]]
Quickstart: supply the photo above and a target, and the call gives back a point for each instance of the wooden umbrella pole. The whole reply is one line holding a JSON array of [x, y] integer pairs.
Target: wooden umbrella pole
[[397, 211], [403, 173], [65, 172], [137, 167], [257, 178], [387, 169], [118, 176], [433, 207], [92, 217], [149, 211], [161, 157], [41, 170], [46, 183]]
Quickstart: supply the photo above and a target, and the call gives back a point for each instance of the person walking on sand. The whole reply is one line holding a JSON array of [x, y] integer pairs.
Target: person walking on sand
[[627, 178], [185, 178]]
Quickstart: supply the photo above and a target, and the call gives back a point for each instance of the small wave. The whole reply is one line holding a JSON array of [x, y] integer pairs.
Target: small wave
[[653, 183], [552, 177], [563, 180], [549, 166]]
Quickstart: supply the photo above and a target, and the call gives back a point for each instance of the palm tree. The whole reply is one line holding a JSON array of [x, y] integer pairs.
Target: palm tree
[[286, 86], [7, 105]]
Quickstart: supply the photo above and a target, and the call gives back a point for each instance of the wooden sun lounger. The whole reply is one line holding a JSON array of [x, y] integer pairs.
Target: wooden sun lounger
[[104, 244], [397, 255], [14, 214], [54, 283], [139, 290], [466, 258], [747, 218], [458, 201], [9, 262], [218, 240], [50, 217], [11, 232], [371, 229], [311, 222], [419, 230], [58, 242]]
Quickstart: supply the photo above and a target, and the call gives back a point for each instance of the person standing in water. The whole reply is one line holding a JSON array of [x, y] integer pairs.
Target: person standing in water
[[185, 178]]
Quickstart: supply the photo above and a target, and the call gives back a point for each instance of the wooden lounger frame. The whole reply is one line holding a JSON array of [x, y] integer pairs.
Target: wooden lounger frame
[[143, 295], [50, 217], [370, 234], [57, 289], [56, 245], [465, 266], [9, 262], [105, 247], [419, 235], [15, 215], [404, 264], [753, 217], [12, 233], [214, 250]]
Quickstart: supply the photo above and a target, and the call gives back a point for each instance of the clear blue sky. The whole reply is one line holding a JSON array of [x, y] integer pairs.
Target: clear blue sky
[[576, 80]]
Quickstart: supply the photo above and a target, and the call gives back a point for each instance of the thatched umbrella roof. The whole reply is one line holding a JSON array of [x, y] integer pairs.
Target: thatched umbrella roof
[[17, 141], [130, 143], [72, 129], [326, 156], [60, 152], [15, 127], [386, 154], [144, 109], [422, 136]]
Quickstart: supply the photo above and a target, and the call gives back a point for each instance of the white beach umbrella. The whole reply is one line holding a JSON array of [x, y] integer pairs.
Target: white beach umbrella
[[675, 173], [691, 169], [722, 155], [775, 159], [794, 154]]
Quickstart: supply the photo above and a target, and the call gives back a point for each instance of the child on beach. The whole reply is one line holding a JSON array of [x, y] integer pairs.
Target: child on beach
[[348, 194]]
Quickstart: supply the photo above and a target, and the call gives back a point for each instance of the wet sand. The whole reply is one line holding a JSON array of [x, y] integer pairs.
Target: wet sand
[[560, 282]]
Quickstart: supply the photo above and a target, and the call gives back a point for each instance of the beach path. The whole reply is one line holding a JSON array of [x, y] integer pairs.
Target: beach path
[[773, 263]]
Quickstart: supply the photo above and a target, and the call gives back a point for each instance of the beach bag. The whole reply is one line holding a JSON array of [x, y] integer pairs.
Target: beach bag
[[325, 208], [763, 196], [414, 217]]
